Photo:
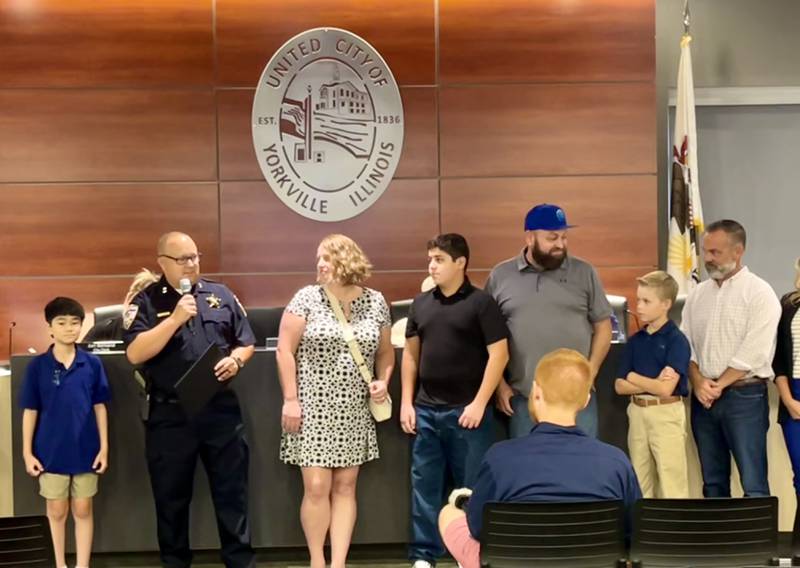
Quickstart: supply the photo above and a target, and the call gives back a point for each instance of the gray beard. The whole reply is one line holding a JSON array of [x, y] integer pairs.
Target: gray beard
[[718, 273]]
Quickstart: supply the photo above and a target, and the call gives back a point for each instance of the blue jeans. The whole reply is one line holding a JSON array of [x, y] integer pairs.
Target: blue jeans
[[440, 448], [735, 424], [520, 423]]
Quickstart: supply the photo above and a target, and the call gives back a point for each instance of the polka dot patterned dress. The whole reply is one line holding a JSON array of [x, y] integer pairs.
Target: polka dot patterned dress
[[337, 429]]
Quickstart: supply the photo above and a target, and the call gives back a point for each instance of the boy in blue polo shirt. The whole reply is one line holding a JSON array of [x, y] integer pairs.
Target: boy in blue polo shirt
[[63, 399], [653, 372]]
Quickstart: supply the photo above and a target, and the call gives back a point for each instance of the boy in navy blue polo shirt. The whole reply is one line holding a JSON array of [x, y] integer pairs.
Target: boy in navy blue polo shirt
[[653, 372], [63, 399]]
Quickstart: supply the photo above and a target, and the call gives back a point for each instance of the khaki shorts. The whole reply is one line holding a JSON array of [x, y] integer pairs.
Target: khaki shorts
[[59, 486]]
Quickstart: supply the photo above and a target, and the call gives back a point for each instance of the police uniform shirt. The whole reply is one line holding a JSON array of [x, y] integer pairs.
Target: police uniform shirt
[[552, 463], [220, 319]]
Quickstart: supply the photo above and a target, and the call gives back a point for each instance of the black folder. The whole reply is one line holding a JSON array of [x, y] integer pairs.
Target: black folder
[[199, 384]]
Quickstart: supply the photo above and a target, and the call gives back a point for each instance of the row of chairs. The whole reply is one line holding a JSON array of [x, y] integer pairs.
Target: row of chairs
[[665, 533]]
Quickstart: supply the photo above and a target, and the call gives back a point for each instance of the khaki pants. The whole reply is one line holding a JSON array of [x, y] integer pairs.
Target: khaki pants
[[657, 445]]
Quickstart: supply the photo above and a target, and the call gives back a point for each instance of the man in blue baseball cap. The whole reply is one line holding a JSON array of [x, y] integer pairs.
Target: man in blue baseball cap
[[550, 300]]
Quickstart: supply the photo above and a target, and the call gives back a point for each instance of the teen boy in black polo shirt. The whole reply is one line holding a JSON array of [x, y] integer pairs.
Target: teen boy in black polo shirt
[[456, 348]]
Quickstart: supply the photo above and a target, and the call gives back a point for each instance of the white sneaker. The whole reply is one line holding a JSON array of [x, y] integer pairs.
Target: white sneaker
[[421, 564]]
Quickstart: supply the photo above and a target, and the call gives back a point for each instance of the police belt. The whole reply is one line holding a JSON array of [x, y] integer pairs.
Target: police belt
[[163, 398]]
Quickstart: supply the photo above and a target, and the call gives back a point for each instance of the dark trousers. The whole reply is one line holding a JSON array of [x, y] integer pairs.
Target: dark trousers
[[441, 449], [521, 422], [173, 445], [791, 434], [735, 424]]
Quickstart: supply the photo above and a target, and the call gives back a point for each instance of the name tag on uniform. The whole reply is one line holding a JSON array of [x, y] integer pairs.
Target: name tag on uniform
[[162, 314]]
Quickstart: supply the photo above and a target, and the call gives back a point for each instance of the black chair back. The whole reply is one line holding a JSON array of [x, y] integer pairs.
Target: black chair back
[[399, 309], [25, 542], [265, 323], [705, 532], [103, 313], [587, 534]]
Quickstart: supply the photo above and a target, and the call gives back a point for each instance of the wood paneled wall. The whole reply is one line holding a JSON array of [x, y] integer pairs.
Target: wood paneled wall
[[121, 120]]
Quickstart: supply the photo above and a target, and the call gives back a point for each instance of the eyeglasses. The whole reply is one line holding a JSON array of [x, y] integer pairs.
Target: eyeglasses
[[184, 260]]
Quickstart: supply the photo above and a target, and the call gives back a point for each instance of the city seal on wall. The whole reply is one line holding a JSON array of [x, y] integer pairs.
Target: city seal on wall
[[327, 124]]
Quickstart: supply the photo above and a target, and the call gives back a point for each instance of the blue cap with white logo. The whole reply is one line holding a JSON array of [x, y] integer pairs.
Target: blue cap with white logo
[[546, 217]]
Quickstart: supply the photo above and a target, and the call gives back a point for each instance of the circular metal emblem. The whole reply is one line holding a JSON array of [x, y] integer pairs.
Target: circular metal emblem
[[327, 124]]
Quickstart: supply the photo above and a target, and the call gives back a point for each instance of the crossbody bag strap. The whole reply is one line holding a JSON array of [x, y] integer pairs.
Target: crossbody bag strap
[[349, 336]]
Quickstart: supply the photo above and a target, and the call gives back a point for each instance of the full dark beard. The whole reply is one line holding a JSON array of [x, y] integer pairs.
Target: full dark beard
[[546, 260]]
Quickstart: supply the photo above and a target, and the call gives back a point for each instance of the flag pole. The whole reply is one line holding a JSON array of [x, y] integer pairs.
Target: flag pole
[[687, 18], [685, 209]]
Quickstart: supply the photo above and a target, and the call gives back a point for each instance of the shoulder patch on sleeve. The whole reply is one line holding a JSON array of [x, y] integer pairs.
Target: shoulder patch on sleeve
[[129, 316]]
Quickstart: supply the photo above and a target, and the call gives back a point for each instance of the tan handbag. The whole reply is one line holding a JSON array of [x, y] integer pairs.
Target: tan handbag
[[380, 410]]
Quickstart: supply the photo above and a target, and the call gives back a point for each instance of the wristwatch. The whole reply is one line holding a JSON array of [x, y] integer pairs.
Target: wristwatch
[[238, 360]]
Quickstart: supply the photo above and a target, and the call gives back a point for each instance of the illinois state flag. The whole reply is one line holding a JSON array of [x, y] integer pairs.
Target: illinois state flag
[[686, 212]]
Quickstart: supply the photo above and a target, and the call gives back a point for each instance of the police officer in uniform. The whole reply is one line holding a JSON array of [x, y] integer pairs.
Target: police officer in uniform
[[165, 332]]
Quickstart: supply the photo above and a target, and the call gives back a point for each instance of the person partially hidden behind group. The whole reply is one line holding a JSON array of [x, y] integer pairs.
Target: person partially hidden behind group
[[555, 462], [786, 366], [111, 329]]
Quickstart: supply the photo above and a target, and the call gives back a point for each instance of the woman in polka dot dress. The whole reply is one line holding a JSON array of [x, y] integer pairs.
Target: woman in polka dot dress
[[327, 428]]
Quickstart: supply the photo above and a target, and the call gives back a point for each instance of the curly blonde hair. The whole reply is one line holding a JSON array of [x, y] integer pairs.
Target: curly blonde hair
[[141, 280], [350, 265], [794, 297]]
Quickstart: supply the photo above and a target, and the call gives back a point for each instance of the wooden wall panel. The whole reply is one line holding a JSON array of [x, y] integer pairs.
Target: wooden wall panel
[[248, 33], [546, 41], [237, 160], [113, 43], [420, 156], [523, 130], [65, 230], [120, 121], [259, 234], [616, 216], [106, 135], [264, 290], [23, 301]]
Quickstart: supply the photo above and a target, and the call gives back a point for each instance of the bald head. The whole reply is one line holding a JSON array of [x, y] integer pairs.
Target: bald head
[[178, 258], [173, 237]]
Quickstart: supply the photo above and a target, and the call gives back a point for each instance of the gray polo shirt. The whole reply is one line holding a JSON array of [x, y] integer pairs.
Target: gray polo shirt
[[546, 310]]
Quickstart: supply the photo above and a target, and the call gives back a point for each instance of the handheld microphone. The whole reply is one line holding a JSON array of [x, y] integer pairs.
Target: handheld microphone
[[186, 288]]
